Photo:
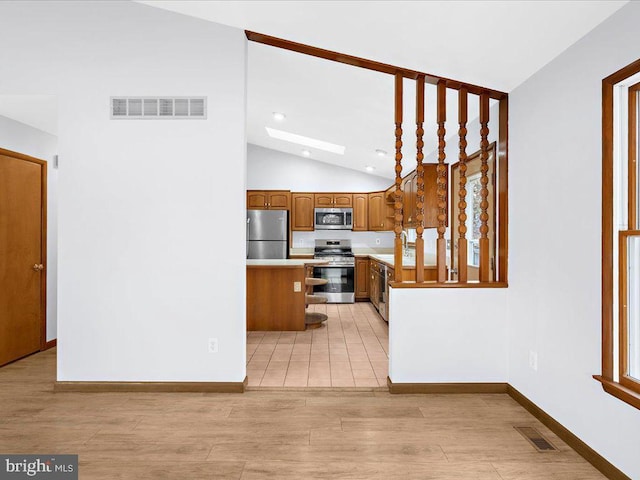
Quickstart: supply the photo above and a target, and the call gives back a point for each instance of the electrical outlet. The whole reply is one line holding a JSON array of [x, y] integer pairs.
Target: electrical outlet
[[533, 360], [213, 345], [377, 241], [297, 286]]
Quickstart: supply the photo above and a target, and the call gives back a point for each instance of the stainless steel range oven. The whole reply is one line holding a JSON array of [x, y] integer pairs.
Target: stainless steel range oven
[[339, 271]]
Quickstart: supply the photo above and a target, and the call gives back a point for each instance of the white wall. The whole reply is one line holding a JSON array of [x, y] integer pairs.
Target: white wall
[[555, 234], [30, 141], [272, 170], [147, 273], [447, 335]]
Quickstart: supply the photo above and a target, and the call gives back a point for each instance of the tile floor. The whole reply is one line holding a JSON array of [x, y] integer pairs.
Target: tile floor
[[350, 350]]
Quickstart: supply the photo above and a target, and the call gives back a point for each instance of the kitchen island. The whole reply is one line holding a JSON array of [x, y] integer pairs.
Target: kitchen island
[[275, 294]]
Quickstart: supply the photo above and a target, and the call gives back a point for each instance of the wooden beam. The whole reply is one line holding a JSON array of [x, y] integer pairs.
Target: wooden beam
[[368, 64]]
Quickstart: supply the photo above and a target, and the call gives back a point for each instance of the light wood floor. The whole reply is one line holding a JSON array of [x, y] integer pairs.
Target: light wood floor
[[349, 350], [279, 435]]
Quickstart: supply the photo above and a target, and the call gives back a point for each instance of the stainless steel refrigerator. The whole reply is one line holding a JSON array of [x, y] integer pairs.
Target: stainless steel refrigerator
[[267, 234]]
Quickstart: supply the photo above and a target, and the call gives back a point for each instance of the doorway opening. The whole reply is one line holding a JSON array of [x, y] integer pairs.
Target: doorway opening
[[28, 225]]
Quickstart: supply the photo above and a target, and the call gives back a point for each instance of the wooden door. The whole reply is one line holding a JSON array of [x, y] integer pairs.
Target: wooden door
[[342, 200], [324, 200], [362, 278], [302, 212], [376, 211], [360, 212], [22, 255], [257, 200], [473, 181], [278, 200]]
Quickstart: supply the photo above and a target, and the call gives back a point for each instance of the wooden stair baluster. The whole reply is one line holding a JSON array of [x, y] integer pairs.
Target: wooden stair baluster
[[399, 197], [420, 180], [485, 267], [441, 243], [462, 193]]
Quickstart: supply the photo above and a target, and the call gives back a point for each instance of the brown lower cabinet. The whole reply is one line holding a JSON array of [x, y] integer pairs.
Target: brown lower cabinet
[[272, 301], [362, 279]]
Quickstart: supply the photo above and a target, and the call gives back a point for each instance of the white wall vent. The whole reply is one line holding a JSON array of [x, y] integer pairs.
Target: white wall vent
[[158, 107]]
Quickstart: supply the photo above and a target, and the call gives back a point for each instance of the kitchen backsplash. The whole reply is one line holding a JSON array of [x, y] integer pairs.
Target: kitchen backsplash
[[358, 239], [361, 241]]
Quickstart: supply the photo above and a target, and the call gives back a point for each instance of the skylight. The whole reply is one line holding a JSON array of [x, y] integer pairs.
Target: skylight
[[306, 141]]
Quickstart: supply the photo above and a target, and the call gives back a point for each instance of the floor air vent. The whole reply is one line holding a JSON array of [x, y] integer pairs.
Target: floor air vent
[[154, 108], [536, 439]]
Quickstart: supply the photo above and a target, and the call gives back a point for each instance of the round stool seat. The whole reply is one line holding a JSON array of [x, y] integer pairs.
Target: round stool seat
[[313, 299], [315, 281], [314, 319]]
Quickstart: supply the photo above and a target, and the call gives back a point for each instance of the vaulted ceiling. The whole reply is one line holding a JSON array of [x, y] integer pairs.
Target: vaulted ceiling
[[496, 44]]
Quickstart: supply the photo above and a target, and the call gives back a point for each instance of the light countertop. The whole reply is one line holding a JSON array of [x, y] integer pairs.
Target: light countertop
[[285, 263], [407, 262]]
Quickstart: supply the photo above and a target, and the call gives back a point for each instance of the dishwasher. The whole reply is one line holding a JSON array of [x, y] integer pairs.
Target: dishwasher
[[378, 288]]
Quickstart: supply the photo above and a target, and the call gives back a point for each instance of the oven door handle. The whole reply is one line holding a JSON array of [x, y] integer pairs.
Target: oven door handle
[[334, 266]]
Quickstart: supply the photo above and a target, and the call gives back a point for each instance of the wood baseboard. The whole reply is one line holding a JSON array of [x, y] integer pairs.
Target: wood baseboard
[[584, 450], [160, 387], [580, 447], [50, 344], [497, 387]]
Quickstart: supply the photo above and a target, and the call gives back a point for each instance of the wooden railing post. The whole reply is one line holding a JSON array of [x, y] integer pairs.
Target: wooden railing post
[[441, 245], [462, 193], [485, 268], [420, 180], [399, 197]]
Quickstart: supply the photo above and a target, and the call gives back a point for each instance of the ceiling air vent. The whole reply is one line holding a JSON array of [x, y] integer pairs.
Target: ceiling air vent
[[158, 107]]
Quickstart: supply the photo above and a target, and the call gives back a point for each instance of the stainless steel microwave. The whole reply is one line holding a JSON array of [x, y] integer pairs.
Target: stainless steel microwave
[[333, 218]]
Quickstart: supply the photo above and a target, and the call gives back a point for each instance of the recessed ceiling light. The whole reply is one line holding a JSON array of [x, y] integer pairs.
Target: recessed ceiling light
[[380, 153], [306, 141], [279, 116], [369, 168], [306, 153]]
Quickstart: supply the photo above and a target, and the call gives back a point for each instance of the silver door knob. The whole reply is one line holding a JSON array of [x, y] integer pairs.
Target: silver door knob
[[38, 267]]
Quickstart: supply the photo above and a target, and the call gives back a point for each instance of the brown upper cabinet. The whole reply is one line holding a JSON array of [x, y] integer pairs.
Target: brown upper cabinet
[[410, 188], [268, 199], [333, 200], [380, 212], [302, 212], [360, 212]]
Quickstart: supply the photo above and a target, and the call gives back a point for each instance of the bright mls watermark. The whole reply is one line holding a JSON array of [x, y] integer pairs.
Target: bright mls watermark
[[50, 467]]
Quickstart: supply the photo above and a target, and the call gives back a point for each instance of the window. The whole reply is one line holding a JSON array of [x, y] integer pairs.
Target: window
[[473, 212], [621, 235]]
